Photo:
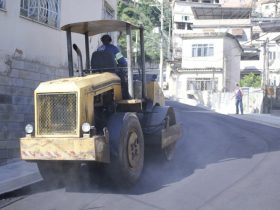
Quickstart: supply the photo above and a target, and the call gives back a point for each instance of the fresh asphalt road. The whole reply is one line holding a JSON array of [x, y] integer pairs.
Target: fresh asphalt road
[[221, 163]]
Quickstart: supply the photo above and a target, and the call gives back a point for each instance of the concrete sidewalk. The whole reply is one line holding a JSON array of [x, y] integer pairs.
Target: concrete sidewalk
[[18, 174], [264, 119], [272, 120]]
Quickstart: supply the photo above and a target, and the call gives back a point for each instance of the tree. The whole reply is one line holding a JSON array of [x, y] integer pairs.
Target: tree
[[251, 80], [143, 12]]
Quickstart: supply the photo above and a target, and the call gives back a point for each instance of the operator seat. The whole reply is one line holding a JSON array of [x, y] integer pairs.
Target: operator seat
[[103, 61]]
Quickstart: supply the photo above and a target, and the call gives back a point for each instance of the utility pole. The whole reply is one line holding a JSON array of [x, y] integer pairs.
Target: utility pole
[[276, 8], [136, 48], [265, 64], [161, 45], [225, 74], [169, 41]]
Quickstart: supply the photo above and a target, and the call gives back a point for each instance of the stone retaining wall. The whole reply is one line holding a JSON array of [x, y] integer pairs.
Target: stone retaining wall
[[18, 79]]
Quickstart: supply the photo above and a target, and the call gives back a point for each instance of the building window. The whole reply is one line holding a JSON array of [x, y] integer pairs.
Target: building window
[[2, 4], [108, 11], [272, 55], [202, 84], [43, 11], [185, 18], [202, 50], [181, 25]]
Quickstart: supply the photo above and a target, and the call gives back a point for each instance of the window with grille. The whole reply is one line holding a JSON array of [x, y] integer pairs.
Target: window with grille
[[2, 4], [43, 11], [108, 11], [202, 84], [202, 50]]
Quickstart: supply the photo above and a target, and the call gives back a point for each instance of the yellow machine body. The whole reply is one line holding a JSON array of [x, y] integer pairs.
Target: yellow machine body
[[54, 144]]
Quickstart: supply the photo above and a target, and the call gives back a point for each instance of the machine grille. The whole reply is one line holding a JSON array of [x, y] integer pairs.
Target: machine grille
[[57, 114]]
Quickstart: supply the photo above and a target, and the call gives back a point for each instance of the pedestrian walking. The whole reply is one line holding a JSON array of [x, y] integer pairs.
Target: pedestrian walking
[[238, 94]]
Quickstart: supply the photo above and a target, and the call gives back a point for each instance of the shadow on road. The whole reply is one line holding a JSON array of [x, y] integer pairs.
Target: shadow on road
[[208, 138]]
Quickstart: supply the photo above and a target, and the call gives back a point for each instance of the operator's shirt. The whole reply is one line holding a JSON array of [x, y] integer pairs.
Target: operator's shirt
[[115, 51]]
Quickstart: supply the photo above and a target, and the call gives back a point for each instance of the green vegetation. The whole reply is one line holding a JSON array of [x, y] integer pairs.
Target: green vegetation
[[251, 80], [146, 13]]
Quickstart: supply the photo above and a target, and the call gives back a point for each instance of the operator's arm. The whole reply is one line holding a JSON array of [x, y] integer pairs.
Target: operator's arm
[[121, 60], [119, 57]]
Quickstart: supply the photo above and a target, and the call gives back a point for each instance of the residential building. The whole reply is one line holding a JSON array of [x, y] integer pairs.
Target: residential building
[[268, 8], [267, 28], [210, 62], [183, 19], [220, 70], [255, 24], [270, 58], [33, 49]]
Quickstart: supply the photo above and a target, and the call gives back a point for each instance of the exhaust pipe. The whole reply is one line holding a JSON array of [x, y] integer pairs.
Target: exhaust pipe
[[80, 59]]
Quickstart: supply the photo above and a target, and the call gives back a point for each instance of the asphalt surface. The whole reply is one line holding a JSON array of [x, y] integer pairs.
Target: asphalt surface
[[220, 163]]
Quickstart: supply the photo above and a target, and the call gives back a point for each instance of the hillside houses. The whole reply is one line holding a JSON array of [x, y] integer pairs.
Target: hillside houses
[[258, 50]]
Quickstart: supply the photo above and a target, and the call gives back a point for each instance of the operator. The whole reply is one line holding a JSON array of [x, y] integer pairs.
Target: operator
[[120, 60], [107, 46]]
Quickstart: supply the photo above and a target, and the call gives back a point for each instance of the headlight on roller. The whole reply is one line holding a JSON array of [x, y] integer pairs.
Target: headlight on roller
[[86, 127], [29, 128]]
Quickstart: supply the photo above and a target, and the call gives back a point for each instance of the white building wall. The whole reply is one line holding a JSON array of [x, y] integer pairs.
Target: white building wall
[[268, 9], [181, 9], [42, 43], [215, 61]]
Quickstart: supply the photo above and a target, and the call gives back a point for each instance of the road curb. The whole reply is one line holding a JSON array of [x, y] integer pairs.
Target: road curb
[[264, 119]]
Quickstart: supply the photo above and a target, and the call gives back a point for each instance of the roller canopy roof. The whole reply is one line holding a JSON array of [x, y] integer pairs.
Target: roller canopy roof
[[97, 27]]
